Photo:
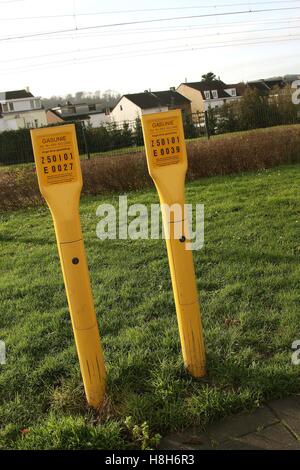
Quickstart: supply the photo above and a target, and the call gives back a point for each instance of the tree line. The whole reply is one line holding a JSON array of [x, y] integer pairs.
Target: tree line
[[107, 98]]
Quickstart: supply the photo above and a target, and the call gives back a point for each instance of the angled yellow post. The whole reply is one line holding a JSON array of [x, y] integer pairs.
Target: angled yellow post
[[60, 181], [167, 165]]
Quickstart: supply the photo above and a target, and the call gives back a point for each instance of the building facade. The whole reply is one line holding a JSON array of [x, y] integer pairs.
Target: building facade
[[91, 114], [21, 109], [132, 106], [206, 94]]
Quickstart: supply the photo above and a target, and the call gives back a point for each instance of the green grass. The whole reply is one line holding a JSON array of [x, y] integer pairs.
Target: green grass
[[248, 279]]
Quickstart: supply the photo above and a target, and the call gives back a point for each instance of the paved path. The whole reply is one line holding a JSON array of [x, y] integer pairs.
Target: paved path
[[274, 426]]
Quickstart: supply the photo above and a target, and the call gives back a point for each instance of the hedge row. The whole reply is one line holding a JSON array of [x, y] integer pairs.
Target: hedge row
[[254, 150]]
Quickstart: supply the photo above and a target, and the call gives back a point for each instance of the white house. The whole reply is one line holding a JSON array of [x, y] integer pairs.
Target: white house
[[19, 109], [99, 115], [131, 106], [91, 114], [212, 94]]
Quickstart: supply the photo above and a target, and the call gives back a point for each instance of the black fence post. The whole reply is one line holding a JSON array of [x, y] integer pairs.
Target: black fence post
[[207, 124], [85, 140]]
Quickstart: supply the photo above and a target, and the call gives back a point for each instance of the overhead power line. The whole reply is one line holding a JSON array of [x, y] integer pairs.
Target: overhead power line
[[146, 10], [153, 20], [170, 50], [167, 29], [153, 41]]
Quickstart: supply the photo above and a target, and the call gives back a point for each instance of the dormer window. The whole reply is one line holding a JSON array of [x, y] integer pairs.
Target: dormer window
[[207, 95], [215, 94], [231, 91]]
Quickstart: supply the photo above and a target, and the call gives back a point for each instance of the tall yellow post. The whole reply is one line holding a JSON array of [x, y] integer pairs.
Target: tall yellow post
[[60, 181], [167, 165]]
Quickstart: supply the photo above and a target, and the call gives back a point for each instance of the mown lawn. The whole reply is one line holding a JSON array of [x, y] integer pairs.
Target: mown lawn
[[248, 277]]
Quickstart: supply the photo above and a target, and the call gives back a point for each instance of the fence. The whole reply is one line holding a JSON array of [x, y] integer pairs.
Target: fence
[[126, 137], [236, 118], [109, 139]]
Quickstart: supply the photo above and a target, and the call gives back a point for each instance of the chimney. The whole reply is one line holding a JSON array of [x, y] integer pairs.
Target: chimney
[[27, 89], [185, 80], [172, 88]]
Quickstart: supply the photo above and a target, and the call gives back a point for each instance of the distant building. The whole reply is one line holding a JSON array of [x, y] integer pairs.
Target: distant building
[[19, 109], [266, 86], [131, 106], [92, 114], [53, 117], [212, 94], [290, 78]]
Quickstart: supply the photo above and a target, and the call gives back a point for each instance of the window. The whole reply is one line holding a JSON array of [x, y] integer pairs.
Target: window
[[11, 106], [31, 104], [207, 95], [36, 123], [121, 107], [5, 107], [215, 94], [231, 91]]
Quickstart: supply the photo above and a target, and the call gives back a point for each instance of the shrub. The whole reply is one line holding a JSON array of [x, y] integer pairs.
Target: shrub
[[254, 150]]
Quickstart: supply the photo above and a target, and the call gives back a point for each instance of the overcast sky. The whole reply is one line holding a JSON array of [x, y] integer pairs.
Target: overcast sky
[[156, 55]]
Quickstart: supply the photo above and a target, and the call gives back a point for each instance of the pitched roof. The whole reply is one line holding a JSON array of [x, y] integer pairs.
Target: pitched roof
[[53, 111], [240, 88], [212, 85], [272, 82], [259, 85], [154, 99], [206, 85], [16, 94]]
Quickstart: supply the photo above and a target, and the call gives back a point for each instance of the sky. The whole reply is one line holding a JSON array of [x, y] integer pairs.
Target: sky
[[63, 46]]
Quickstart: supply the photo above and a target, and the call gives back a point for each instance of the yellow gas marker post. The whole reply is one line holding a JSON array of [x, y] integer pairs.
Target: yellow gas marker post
[[60, 181], [167, 165]]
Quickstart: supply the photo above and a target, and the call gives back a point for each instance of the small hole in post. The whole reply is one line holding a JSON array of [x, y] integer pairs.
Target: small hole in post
[[75, 260], [182, 239]]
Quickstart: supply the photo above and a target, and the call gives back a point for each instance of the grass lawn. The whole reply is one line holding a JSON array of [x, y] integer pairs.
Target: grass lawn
[[248, 278]]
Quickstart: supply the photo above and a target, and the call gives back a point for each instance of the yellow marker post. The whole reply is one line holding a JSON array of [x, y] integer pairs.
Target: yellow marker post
[[60, 181], [167, 165]]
